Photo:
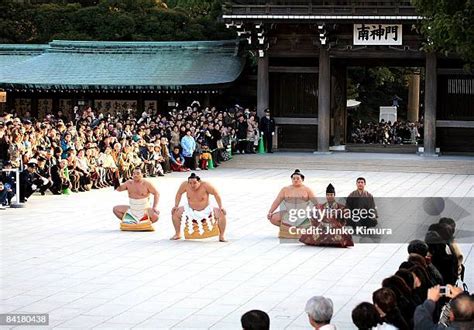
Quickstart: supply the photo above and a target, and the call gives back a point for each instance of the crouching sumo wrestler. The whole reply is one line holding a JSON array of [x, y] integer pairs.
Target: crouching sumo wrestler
[[201, 219], [138, 215]]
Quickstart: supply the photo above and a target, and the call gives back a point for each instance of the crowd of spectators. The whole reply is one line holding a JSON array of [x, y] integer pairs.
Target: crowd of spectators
[[399, 132], [427, 292], [92, 149]]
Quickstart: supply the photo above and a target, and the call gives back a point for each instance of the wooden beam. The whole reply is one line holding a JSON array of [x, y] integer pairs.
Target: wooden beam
[[294, 69], [376, 54], [446, 71], [455, 123], [292, 54], [296, 121]]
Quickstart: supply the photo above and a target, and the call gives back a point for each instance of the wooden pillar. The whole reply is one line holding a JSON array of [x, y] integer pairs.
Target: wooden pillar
[[324, 100], [414, 96], [338, 103], [262, 86], [430, 105]]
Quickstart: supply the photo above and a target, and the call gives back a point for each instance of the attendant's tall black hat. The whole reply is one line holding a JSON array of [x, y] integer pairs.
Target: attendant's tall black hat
[[330, 189]]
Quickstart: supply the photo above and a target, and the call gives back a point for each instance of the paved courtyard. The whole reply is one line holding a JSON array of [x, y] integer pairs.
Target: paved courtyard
[[65, 255]]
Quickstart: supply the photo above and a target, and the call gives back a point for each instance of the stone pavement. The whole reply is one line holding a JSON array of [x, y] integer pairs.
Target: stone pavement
[[352, 161], [65, 256]]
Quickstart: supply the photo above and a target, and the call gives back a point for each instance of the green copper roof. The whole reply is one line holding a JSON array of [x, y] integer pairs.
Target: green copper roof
[[13, 53], [106, 65]]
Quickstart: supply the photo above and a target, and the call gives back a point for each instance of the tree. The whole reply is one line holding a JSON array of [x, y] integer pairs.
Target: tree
[[197, 8], [448, 26], [121, 20], [52, 19], [15, 23], [375, 87]]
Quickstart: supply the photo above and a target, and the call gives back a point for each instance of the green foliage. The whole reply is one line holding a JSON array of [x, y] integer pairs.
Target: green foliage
[[197, 8], [121, 20], [448, 26], [15, 23], [52, 19], [375, 87]]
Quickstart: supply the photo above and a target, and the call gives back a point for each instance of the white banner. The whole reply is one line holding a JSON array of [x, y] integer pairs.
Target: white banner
[[377, 34]]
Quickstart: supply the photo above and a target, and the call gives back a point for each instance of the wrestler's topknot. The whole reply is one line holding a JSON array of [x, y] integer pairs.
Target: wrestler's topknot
[[297, 172], [194, 176]]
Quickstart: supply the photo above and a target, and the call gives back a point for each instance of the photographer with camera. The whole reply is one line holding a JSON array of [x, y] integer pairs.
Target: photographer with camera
[[6, 195], [457, 313]]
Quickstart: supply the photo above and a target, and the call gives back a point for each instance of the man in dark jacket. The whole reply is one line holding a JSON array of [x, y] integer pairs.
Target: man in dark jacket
[[359, 200], [241, 128], [460, 314], [267, 128], [442, 257], [43, 180], [27, 185], [421, 248], [146, 156], [6, 195], [8, 177]]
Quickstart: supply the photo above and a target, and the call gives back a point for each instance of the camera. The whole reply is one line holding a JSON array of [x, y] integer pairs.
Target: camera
[[444, 291]]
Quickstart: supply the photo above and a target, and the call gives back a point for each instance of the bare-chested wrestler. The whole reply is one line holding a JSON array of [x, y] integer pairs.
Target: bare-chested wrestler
[[198, 206], [296, 196], [139, 191]]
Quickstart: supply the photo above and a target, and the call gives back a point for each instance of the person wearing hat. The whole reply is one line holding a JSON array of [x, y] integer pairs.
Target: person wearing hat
[[331, 204], [43, 180], [27, 181], [328, 224], [267, 129], [6, 194], [8, 177]]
